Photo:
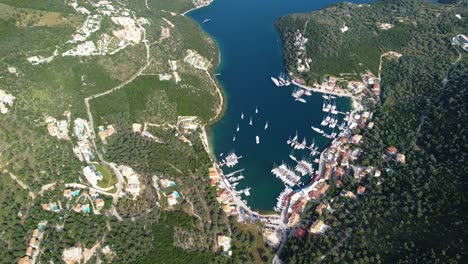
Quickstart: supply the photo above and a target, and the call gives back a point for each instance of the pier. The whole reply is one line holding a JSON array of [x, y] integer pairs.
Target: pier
[[231, 160]]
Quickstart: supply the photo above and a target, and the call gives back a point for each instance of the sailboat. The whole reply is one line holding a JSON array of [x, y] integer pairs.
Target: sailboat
[[238, 128], [250, 123], [256, 110], [242, 116], [266, 125], [295, 137]]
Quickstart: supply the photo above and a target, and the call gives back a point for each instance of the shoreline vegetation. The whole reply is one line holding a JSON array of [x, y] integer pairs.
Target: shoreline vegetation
[[219, 90]]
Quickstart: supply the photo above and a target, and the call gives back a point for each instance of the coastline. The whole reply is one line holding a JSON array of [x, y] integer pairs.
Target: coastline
[[355, 104], [196, 7], [220, 92]]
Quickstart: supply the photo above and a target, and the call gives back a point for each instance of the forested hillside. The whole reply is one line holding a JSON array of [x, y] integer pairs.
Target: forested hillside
[[419, 213], [36, 167]]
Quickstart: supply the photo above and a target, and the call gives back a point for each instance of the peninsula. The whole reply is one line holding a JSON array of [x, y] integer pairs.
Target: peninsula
[[379, 197]]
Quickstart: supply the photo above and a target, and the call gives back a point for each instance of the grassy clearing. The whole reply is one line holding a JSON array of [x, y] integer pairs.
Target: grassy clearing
[[47, 5], [108, 177]]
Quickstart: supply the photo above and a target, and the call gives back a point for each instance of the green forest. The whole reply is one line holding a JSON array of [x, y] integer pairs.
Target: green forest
[[419, 213]]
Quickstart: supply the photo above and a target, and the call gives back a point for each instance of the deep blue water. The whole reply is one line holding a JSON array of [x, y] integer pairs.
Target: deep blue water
[[250, 55]]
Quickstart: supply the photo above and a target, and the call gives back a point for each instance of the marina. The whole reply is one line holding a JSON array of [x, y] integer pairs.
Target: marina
[[282, 199], [281, 80], [286, 175], [230, 161]]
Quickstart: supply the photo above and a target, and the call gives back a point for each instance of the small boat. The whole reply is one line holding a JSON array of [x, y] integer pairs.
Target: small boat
[[292, 157], [257, 140], [266, 125], [295, 137], [301, 100], [206, 21], [275, 81], [234, 138], [238, 128], [250, 122], [256, 110], [318, 130], [308, 92], [242, 115], [221, 154]]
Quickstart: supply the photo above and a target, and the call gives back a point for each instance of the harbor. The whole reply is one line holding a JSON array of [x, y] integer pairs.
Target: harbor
[[260, 115]]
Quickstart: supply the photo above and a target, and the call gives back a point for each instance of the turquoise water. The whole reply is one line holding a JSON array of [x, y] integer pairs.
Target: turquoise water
[[250, 55]]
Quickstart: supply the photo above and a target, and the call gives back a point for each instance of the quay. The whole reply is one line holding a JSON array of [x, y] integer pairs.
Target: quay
[[323, 90]]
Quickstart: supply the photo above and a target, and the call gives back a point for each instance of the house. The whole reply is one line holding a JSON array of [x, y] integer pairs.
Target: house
[[92, 175], [460, 40], [370, 125], [72, 255], [376, 88], [77, 208], [348, 194], [223, 197], [356, 139], [25, 260], [319, 209], [318, 227], [224, 242], [33, 242], [300, 232], [167, 183], [293, 219], [99, 203], [401, 158], [319, 190], [361, 189], [69, 194], [172, 198], [35, 233], [377, 173], [392, 150], [327, 173], [339, 171], [29, 251], [104, 133], [136, 128], [338, 183], [46, 207], [299, 206]]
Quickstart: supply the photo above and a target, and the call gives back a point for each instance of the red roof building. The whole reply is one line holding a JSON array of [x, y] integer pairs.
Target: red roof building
[[338, 183], [298, 207], [392, 150], [300, 232], [361, 189], [319, 209]]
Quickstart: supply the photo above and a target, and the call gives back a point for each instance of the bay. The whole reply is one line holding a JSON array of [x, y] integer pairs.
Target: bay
[[250, 54]]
